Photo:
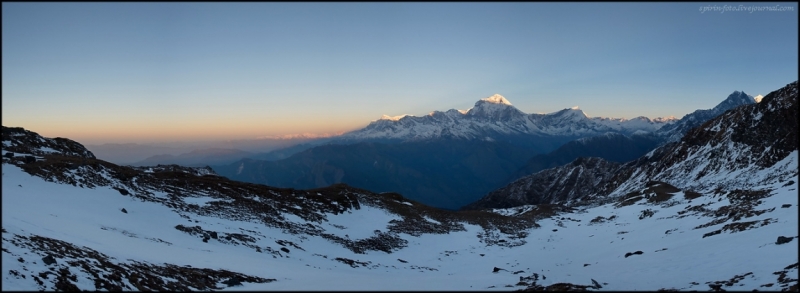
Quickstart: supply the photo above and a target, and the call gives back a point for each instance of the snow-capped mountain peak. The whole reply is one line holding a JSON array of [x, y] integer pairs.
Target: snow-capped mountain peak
[[668, 119], [393, 118], [494, 107], [570, 112], [497, 99]]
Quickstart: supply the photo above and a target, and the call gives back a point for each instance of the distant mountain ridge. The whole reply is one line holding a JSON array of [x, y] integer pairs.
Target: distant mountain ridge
[[197, 158], [496, 118], [621, 148]]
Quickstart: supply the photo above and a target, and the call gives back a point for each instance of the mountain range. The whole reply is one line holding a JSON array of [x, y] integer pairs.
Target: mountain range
[[715, 210], [458, 156], [496, 119]]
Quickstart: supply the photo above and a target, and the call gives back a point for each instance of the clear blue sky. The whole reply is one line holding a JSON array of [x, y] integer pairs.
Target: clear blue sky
[[133, 72]]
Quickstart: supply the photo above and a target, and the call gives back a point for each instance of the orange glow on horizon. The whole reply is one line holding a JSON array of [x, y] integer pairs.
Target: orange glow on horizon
[[149, 133]]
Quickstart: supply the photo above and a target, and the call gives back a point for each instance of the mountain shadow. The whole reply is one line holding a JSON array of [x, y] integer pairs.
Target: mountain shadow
[[443, 173]]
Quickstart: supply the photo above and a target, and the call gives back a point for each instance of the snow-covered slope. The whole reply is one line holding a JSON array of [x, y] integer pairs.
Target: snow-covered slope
[[159, 245], [494, 116]]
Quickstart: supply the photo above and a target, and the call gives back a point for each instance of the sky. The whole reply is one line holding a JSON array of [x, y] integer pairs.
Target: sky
[[148, 72]]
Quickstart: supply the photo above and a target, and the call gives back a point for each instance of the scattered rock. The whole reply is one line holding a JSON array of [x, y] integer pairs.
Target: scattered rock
[[596, 284], [124, 210], [586, 265], [284, 249], [632, 253], [646, 214], [555, 230], [123, 191], [49, 259], [482, 254], [213, 234], [715, 287], [402, 261], [233, 281], [788, 205], [782, 240], [496, 269], [354, 263]]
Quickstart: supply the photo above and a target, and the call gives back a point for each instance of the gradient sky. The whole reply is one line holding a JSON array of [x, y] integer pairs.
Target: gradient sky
[[143, 72]]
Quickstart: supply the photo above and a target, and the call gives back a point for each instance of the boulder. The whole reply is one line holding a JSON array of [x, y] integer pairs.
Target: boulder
[[124, 210], [49, 259], [782, 240], [233, 281]]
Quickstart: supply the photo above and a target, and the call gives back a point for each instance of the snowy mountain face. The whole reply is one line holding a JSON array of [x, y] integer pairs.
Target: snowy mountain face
[[551, 186], [16, 139], [749, 146], [494, 117], [674, 131], [70, 222]]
